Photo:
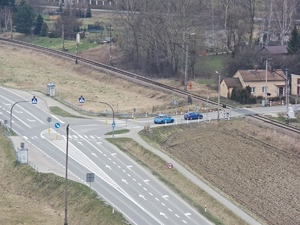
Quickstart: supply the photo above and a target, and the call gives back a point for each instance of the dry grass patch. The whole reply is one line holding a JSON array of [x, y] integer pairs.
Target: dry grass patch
[[31, 70]]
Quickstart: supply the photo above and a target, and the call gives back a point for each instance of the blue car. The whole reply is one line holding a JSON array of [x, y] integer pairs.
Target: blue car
[[192, 116], [163, 118]]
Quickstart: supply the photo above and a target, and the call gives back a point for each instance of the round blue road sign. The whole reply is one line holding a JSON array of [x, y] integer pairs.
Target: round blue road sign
[[57, 125], [113, 124]]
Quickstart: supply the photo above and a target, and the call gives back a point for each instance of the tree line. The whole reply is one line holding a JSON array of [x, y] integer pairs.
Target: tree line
[[157, 37]]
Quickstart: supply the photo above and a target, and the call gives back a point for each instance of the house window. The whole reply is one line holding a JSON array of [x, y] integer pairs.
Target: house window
[[264, 89], [252, 89], [298, 81]]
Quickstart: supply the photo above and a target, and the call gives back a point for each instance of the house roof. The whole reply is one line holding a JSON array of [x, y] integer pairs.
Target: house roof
[[260, 75], [276, 50], [232, 82]]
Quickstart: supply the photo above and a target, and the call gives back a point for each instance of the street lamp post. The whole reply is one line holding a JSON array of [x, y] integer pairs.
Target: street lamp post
[[11, 110], [218, 96], [113, 123]]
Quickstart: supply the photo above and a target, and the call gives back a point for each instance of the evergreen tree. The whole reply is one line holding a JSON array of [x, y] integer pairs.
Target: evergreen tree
[[88, 13], [38, 25], [44, 30], [293, 43], [23, 18]]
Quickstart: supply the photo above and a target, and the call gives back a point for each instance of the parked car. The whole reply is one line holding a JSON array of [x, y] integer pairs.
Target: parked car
[[163, 118], [192, 116]]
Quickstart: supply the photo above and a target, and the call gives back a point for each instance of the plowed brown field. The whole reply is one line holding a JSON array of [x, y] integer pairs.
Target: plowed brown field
[[255, 165]]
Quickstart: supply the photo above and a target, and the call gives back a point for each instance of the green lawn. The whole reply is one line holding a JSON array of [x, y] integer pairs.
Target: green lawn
[[211, 63], [56, 43]]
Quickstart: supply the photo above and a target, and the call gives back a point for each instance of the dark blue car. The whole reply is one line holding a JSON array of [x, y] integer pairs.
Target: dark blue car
[[192, 116]]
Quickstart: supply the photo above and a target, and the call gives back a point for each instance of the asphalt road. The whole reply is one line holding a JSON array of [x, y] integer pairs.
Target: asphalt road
[[123, 183]]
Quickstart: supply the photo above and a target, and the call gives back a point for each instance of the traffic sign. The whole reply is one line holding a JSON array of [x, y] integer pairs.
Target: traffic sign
[[170, 165], [81, 99], [57, 125], [113, 124], [49, 119], [34, 100]]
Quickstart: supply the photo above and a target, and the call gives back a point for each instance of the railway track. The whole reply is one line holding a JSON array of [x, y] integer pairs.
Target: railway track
[[137, 78], [124, 73], [275, 123]]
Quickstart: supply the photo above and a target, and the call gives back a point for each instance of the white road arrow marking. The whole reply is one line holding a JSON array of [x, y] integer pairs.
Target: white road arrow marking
[[162, 214], [165, 197], [146, 181], [18, 111], [130, 166], [124, 181], [99, 143], [94, 154], [30, 120], [142, 196], [80, 143], [107, 166], [114, 154], [184, 221], [188, 215]]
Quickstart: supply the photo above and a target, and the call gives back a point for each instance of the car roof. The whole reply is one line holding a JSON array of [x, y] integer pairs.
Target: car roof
[[161, 115]]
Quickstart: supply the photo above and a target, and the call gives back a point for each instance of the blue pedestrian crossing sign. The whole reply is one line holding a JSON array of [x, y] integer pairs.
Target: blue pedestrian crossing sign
[[34, 100], [57, 125], [113, 124], [81, 99]]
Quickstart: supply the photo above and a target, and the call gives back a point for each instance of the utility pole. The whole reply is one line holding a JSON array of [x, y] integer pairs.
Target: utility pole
[[110, 45], [266, 88], [218, 96], [287, 95], [186, 65], [62, 28], [66, 177]]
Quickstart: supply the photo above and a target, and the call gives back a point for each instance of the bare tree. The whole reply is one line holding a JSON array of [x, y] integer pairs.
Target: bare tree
[[284, 11], [156, 32]]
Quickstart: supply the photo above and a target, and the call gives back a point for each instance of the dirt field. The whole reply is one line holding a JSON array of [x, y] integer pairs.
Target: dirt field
[[255, 165]]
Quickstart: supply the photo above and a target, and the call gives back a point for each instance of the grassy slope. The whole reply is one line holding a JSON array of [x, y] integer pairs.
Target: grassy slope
[[29, 197]]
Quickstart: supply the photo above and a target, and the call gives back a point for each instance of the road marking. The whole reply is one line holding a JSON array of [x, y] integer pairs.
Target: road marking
[[114, 154], [80, 143], [107, 166], [130, 166], [146, 181], [142, 196], [94, 154], [30, 120], [165, 197], [162, 214], [123, 180], [170, 210], [188, 215]]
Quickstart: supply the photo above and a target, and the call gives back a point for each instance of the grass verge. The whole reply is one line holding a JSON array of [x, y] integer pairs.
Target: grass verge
[[36, 198]]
